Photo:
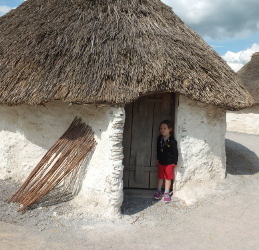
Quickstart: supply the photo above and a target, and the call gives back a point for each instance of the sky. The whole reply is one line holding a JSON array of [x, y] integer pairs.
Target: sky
[[230, 27]]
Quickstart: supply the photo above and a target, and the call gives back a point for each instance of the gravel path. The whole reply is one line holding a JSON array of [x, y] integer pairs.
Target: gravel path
[[226, 220]]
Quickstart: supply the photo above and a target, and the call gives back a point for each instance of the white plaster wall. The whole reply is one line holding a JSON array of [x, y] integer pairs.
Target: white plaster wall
[[244, 121], [27, 132], [102, 191], [200, 132]]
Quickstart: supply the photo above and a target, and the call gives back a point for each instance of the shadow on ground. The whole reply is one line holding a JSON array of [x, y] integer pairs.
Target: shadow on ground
[[136, 200], [240, 159]]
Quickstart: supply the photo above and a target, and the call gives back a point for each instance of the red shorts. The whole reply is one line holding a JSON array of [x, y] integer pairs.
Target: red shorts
[[165, 171]]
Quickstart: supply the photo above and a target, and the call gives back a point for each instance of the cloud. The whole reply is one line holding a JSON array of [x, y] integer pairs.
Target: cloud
[[237, 60], [218, 19], [4, 9]]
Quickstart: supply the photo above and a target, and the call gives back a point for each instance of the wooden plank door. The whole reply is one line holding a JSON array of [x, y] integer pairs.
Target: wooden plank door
[[139, 139]]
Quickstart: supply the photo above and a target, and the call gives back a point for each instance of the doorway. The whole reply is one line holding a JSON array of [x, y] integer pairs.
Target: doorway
[[141, 130]]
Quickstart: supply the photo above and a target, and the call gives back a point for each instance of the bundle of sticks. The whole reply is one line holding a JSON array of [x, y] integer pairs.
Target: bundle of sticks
[[65, 156]]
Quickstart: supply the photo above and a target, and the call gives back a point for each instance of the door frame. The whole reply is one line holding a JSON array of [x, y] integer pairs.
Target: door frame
[[135, 171]]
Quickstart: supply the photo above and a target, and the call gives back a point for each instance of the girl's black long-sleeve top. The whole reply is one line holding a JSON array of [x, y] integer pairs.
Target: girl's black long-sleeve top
[[167, 152]]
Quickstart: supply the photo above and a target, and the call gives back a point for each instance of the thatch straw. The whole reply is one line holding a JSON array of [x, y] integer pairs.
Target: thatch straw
[[108, 51], [249, 75]]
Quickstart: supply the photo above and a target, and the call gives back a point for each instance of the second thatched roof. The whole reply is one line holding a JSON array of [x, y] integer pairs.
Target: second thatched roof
[[108, 51], [249, 75]]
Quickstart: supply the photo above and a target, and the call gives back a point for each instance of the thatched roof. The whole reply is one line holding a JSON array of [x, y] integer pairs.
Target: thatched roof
[[249, 75], [108, 51]]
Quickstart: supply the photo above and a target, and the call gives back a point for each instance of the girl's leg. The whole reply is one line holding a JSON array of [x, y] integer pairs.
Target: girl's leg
[[167, 197], [160, 184], [167, 185], [158, 195]]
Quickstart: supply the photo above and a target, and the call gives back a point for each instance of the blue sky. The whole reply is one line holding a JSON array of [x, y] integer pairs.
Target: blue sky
[[10, 3], [230, 27]]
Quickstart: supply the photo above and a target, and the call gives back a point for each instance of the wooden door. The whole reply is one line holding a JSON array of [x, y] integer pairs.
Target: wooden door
[[139, 138]]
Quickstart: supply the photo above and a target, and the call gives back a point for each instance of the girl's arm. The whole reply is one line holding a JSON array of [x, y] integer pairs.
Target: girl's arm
[[175, 152], [157, 149]]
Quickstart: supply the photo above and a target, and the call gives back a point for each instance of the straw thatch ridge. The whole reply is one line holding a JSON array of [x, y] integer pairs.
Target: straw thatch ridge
[[249, 75], [108, 51]]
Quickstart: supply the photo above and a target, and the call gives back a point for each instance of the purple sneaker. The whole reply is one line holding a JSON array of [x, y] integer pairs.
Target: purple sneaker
[[158, 195], [167, 198]]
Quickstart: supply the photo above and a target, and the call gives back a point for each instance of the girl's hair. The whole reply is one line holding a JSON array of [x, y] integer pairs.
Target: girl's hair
[[169, 125]]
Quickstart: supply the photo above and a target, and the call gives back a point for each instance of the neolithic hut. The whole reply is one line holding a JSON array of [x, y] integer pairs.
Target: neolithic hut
[[247, 120], [105, 60]]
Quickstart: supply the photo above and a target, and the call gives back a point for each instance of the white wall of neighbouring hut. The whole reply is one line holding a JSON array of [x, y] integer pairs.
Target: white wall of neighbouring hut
[[200, 132], [244, 121], [27, 132]]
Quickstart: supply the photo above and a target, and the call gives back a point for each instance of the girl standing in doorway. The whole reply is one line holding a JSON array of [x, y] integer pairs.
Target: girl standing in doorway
[[167, 157]]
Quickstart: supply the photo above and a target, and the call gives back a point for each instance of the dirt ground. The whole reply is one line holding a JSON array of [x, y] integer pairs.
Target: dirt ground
[[227, 220]]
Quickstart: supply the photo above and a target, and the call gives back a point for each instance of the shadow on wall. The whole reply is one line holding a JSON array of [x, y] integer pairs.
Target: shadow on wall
[[68, 188], [240, 159]]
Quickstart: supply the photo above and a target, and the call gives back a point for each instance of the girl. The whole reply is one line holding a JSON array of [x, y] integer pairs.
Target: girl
[[167, 157]]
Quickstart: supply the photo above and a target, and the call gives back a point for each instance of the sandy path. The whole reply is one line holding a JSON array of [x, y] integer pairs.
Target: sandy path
[[226, 221]]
